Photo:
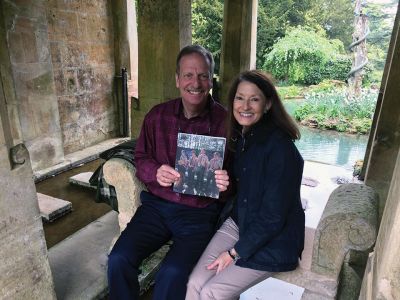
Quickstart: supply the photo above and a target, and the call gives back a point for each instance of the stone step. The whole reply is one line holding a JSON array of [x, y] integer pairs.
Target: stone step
[[52, 208], [82, 179]]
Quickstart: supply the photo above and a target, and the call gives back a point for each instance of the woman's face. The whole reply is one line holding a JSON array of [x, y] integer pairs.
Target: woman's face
[[249, 104]]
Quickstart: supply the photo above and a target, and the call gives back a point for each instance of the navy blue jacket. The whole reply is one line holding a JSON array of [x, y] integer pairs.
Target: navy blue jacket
[[268, 169]]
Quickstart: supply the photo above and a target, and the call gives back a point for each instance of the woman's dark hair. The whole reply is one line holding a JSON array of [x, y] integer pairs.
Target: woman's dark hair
[[199, 50], [276, 113]]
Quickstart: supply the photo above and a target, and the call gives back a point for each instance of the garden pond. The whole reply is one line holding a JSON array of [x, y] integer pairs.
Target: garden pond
[[326, 146]]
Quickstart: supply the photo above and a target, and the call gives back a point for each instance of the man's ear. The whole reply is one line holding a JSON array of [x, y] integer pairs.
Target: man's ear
[[177, 80]]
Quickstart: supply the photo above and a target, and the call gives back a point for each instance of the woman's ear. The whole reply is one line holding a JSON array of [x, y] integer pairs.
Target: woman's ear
[[267, 106]]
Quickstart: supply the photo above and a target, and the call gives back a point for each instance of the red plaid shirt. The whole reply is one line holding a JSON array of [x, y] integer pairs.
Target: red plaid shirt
[[156, 144]]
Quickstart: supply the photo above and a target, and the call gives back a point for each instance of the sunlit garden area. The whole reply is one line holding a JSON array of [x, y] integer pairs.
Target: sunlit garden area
[[327, 59]]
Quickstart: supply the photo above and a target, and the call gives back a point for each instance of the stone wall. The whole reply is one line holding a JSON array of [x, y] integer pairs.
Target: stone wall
[[62, 61], [81, 43]]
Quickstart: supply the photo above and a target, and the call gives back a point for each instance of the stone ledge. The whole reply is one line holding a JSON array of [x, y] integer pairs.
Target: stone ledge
[[77, 158]]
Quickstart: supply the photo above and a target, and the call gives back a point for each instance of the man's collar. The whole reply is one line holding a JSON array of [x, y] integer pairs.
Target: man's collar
[[178, 109]]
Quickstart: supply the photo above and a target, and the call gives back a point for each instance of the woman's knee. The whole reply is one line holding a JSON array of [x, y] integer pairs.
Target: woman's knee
[[193, 289], [217, 292], [207, 293]]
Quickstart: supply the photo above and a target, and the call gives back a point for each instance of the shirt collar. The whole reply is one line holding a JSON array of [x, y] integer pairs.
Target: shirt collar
[[178, 107]]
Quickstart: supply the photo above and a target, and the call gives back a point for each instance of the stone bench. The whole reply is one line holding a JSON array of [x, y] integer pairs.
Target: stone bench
[[345, 233], [121, 174], [341, 242]]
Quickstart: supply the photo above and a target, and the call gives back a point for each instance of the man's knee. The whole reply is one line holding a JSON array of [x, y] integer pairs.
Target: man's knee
[[172, 273], [117, 262]]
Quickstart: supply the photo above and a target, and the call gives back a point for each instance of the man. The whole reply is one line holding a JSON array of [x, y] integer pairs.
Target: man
[[215, 164], [165, 215], [202, 165]]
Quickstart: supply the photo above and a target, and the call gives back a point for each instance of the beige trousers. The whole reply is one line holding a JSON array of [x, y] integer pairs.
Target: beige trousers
[[229, 283]]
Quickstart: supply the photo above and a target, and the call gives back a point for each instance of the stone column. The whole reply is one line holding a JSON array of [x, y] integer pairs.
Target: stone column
[[381, 279], [386, 142], [35, 105], [238, 41], [24, 268], [160, 37]]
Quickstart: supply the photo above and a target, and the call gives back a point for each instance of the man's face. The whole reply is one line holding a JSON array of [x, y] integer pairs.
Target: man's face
[[193, 80]]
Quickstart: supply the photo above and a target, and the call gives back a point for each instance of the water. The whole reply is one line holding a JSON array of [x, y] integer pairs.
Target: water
[[330, 147]]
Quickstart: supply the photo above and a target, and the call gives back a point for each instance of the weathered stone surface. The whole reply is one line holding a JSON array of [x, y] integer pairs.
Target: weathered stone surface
[[82, 179], [36, 108], [52, 208], [121, 174], [81, 43], [349, 221], [24, 269]]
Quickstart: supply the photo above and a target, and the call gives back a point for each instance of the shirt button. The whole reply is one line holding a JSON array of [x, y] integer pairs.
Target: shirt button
[[245, 200], [244, 169], [237, 179]]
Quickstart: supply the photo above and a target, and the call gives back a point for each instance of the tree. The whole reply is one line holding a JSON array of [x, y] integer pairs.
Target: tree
[[334, 16], [274, 17], [207, 16], [307, 56]]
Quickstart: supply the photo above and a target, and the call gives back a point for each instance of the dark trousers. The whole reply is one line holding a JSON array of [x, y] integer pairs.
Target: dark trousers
[[155, 222]]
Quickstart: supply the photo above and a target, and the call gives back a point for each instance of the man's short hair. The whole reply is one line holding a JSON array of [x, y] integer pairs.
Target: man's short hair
[[199, 50]]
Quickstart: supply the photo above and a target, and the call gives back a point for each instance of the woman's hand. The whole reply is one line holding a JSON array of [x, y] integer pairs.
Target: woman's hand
[[221, 262], [221, 179]]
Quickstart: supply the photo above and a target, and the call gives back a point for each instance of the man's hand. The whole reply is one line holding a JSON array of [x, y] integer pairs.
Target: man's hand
[[221, 262], [166, 175], [221, 179]]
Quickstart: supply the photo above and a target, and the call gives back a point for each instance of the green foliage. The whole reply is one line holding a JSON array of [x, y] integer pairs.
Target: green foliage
[[274, 17], [207, 23], [330, 110], [334, 16], [291, 91], [326, 85], [305, 56], [381, 19]]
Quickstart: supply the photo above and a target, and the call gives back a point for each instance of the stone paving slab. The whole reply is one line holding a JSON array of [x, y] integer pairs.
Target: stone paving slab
[[82, 179], [52, 208]]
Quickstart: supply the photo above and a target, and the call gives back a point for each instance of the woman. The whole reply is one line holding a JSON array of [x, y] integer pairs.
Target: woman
[[265, 229]]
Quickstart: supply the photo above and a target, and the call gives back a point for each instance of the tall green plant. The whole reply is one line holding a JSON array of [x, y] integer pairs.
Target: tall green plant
[[306, 56]]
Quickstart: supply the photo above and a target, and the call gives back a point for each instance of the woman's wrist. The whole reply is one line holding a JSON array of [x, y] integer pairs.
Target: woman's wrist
[[233, 254]]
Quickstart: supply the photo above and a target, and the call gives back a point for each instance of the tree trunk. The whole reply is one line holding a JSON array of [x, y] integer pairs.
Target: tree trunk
[[359, 49]]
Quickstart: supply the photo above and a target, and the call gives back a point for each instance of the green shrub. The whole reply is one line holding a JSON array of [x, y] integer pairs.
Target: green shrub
[[291, 91], [331, 110]]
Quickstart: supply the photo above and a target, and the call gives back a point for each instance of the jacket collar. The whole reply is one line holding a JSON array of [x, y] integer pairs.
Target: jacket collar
[[257, 133]]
